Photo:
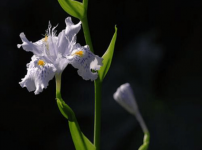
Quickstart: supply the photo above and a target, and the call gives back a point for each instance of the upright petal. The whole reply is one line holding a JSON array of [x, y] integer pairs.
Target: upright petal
[[67, 37], [39, 73], [50, 41], [36, 48], [86, 62], [62, 42], [71, 29]]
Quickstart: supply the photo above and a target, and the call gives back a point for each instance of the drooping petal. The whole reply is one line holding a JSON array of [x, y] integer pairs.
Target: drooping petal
[[86, 62], [71, 29], [36, 48], [39, 73]]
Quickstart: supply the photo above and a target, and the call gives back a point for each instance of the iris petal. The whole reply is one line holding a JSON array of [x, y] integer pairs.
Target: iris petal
[[36, 48], [86, 62], [38, 76]]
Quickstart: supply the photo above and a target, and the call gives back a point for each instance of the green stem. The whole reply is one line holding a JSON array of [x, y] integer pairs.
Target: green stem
[[141, 121], [97, 121], [58, 84], [87, 32], [97, 83], [146, 139], [85, 3]]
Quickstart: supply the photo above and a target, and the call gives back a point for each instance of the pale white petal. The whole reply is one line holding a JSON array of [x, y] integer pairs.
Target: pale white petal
[[38, 76], [62, 43], [36, 48], [61, 63], [124, 96], [71, 29], [86, 62], [67, 37], [65, 45], [51, 47], [96, 63], [50, 43]]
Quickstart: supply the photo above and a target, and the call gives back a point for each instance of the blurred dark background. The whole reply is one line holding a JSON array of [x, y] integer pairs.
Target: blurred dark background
[[158, 51]]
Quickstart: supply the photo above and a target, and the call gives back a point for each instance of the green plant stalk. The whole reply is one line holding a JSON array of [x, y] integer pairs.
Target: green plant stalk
[[97, 83], [145, 130], [87, 32], [85, 3], [58, 85], [97, 119]]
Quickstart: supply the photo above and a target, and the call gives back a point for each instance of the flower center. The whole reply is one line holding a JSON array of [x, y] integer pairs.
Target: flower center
[[41, 63], [45, 39], [79, 53]]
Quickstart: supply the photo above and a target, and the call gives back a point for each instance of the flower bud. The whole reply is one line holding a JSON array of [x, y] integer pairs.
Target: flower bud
[[125, 97]]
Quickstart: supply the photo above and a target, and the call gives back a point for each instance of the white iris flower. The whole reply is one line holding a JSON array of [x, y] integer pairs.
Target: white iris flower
[[53, 53]]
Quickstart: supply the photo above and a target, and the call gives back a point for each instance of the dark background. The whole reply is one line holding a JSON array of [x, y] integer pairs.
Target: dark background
[[158, 51]]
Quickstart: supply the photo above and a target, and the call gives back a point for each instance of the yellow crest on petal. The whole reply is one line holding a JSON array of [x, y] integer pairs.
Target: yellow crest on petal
[[41, 63], [79, 53]]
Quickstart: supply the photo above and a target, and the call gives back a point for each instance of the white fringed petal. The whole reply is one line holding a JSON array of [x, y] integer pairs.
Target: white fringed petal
[[86, 62], [38, 76], [125, 97]]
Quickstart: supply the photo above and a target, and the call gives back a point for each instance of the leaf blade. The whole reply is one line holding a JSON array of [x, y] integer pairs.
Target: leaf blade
[[81, 142], [74, 8], [107, 57]]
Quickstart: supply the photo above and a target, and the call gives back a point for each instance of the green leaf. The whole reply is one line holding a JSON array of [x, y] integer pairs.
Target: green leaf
[[145, 144], [74, 8], [81, 142], [107, 57]]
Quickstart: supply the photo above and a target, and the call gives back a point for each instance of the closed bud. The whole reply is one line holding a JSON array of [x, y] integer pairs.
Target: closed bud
[[125, 97]]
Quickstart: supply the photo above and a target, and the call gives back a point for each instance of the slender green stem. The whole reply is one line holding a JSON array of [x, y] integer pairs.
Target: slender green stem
[[58, 84], [87, 32], [97, 83], [146, 139], [97, 121], [85, 3]]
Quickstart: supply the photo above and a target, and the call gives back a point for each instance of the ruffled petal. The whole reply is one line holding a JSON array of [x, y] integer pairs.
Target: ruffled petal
[[86, 62], [71, 29], [36, 48], [67, 37], [39, 73]]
